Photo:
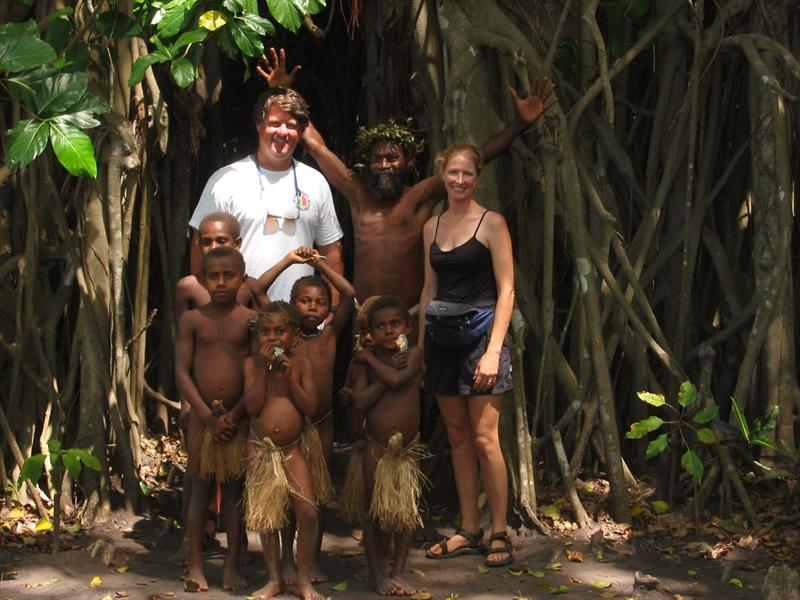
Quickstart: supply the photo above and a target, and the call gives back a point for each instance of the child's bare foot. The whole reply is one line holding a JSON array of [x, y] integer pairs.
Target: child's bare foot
[[180, 558], [306, 591], [231, 578], [272, 589], [288, 572], [387, 586], [317, 575], [195, 580], [403, 588]]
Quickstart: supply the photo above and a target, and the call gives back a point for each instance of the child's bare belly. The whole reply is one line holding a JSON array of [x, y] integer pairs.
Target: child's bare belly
[[384, 420], [279, 420], [218, 377]]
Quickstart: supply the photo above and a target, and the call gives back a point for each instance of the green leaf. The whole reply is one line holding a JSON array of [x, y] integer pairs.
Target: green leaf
[[81, 120], [54, 446], [643, 427], [736, 582], [560, 589], [74, 150], [143, 488], [659, 506], [652, 399], [709, 413], [741, 420], [687, 394], [247, 40], [182, 72], [174, 19], [190, 37], [73, 463], [212, 20], [766, 442], [31, 469], [56, 94], [117, 24], [258, 24], [287, 13], [772, 419], [693, 465], [312, 7], [235, 6], [58, 33], [26, 141], [341, 587], [89, 459], [707, 436], [21, 53], [60, 12], [143, 63], [77, 58], [656, 446]]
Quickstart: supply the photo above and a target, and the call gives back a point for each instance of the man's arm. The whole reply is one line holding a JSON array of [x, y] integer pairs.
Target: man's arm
[[333, 259], [334, 169], [529, 109]]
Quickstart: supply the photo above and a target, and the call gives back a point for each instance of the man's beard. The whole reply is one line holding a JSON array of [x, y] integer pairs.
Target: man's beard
[[387, 185]]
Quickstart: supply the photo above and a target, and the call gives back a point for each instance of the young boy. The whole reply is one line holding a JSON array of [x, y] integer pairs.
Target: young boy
[[215, 230], [311, 296], [212, 343], [279, 396], [387, 392]]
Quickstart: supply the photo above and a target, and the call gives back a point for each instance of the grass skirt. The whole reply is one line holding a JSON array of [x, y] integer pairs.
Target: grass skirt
[[311, 447], [398, 486], [352, 499], [266, 489], [221, 461]]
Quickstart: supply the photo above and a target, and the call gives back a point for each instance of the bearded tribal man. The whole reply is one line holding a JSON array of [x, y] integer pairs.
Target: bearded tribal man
[[388, 209]]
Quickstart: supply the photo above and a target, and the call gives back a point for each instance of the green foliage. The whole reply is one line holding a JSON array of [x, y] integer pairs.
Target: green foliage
[[758, 434], [72, 459], [176, 28], [56, 100], [643, 427]]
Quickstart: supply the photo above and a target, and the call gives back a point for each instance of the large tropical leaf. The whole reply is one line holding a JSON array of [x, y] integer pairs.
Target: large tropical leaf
[[74, 150], [26, 141]]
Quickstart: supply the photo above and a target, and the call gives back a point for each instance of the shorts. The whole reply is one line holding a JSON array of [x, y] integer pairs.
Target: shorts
[[450, 372]]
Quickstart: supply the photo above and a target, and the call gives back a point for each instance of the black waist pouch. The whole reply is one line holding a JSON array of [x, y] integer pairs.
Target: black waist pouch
[[451, 325]]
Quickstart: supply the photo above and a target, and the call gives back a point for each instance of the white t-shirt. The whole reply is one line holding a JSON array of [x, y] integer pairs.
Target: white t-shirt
[[272, 220]]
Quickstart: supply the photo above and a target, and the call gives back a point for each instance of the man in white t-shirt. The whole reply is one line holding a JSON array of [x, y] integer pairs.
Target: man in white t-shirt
[[280, 203]]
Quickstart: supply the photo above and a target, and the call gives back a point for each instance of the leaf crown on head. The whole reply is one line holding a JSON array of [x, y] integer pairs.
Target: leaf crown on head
[[389, 131]]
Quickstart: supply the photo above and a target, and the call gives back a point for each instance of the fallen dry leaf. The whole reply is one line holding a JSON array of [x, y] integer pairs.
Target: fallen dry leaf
[[95, 581], [574, 556]]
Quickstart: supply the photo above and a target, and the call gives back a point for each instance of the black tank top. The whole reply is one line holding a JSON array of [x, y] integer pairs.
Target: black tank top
[[464, 273]]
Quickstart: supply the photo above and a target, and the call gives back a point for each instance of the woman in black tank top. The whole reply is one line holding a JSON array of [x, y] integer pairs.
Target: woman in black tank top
[[469, 261]]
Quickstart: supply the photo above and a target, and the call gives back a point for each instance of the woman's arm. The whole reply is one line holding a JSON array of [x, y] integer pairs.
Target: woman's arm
[[498, 240], [429, 287]]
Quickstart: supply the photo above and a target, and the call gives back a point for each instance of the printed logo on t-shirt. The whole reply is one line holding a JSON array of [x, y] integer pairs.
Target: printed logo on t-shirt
[[302, 201]]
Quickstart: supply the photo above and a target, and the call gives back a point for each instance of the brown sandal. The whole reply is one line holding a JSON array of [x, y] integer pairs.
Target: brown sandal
[[475, 546], [506, 548]]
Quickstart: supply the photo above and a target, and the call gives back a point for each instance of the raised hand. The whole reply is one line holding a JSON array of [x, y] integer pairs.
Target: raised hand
[[304, 254], [536, 102], [273, 69]]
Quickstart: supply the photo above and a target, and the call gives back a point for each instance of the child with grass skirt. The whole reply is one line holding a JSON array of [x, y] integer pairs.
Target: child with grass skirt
[[387, 392], [211, 345], [279, 396], [311, 296]]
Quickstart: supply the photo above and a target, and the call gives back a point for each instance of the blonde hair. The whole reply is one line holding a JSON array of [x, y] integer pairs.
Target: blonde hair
[[470, 151]]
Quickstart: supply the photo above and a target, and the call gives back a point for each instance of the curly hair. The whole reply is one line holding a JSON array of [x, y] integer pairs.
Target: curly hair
[[280, 309], [388, 131], [285, 99]]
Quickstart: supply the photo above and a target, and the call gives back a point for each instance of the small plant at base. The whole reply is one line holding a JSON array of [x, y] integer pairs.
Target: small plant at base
[[698, 424], [62, 462]]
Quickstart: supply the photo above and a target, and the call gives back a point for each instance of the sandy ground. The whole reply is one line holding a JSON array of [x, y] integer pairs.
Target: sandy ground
[[141, 569]]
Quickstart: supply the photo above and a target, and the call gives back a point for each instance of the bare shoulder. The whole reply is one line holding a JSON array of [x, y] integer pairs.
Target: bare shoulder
[[190, 318], [495, 220]]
